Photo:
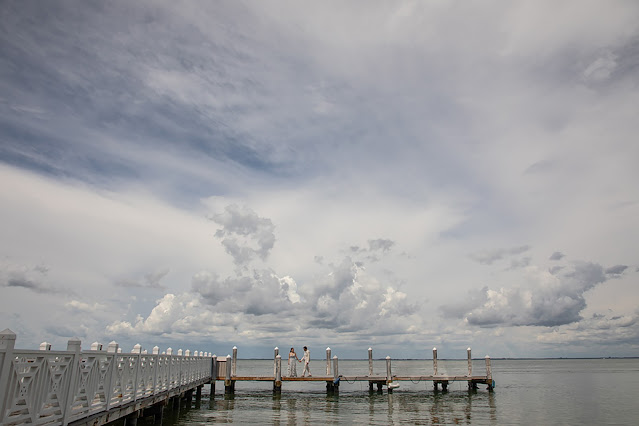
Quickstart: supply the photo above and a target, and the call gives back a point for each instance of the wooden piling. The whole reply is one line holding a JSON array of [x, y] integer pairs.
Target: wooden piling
[[489, 374], [335, 374], [470, 363], [370, 361], [229, 387], [328, 361], [277, 383], [234, 369], [389, 375], [276, 352]]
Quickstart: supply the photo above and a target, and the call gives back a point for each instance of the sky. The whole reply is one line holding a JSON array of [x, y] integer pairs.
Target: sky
[[396, 175]]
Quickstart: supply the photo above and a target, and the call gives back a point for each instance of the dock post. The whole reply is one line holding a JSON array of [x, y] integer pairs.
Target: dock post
[[234, 370], [276, 352], [489, 374], [277, 383], [435, 367], [328, 361], [370, 368], [370, 361], [214, 368], [389, 375], [335, 375], [229, 387]]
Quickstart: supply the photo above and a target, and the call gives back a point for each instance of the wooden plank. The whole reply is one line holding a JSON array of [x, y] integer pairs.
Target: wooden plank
[[360, 378]]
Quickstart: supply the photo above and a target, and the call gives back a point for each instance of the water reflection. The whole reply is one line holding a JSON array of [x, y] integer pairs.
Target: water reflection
[[415, 407]]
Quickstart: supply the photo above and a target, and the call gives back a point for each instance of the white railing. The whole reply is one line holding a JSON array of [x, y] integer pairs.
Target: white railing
[[46, 387]]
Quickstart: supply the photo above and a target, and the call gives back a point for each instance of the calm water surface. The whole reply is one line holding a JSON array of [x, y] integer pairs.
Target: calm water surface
[[529, 392]]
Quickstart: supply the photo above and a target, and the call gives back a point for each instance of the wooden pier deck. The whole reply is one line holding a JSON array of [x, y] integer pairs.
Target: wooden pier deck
[[226, 370]]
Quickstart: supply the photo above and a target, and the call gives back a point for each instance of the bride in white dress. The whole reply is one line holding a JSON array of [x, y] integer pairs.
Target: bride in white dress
[[292, 367]]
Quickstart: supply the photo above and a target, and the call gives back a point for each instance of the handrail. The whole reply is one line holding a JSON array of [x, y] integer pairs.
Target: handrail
[[59, 387]]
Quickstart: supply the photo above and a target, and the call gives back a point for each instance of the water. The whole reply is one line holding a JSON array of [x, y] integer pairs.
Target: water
[[528, 392]]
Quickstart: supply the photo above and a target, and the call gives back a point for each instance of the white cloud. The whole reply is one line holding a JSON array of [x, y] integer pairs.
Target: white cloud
[[348, 173]]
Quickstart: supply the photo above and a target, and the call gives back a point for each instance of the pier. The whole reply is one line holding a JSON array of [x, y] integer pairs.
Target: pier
[[104, 384], [226, 371]]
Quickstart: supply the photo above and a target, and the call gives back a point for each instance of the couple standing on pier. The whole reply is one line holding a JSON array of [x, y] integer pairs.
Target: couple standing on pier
[[292, 367]]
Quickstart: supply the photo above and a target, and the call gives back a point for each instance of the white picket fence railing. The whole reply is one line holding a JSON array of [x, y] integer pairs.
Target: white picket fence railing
[[47, 387]]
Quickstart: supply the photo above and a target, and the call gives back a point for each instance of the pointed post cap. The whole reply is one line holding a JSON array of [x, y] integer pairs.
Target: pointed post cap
[[7, 334]]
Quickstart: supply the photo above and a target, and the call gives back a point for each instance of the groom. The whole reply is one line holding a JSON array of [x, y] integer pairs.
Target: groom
[[307, 359]]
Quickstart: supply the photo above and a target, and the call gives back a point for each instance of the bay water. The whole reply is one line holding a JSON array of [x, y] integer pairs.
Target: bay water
[[527, 392]]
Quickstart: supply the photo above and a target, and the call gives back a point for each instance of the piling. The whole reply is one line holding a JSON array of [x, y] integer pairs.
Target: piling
[[389, 376], [335, 375], [435, 367], [370, 368], [328, 361], [276, 352], [229, 385], [277, 383], [234, 370], [489, 374]]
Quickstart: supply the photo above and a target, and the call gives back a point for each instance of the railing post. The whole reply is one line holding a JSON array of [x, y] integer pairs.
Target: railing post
[[137, 349], [328, 361], [75, 346], [234, 371], [45, 346], [277, 384], [370, 361], [112, 349], [470, 362], [156, 365], [7, 345]]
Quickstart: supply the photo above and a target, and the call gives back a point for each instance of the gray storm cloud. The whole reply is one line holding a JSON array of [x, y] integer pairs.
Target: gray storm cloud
[[488, 257], [543, 300]]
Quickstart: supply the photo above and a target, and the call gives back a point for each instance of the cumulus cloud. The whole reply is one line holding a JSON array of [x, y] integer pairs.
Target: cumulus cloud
[[258, 294], [244, 234], [487, 257], [263, 305], [543, 300]]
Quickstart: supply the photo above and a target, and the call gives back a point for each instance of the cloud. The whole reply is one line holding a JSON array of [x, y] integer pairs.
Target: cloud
[[488, 257], [29, 278], [556, 256], [263, 305], [599, 330], [244, 234], [616, 270], [150, 280], [544, 300]]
